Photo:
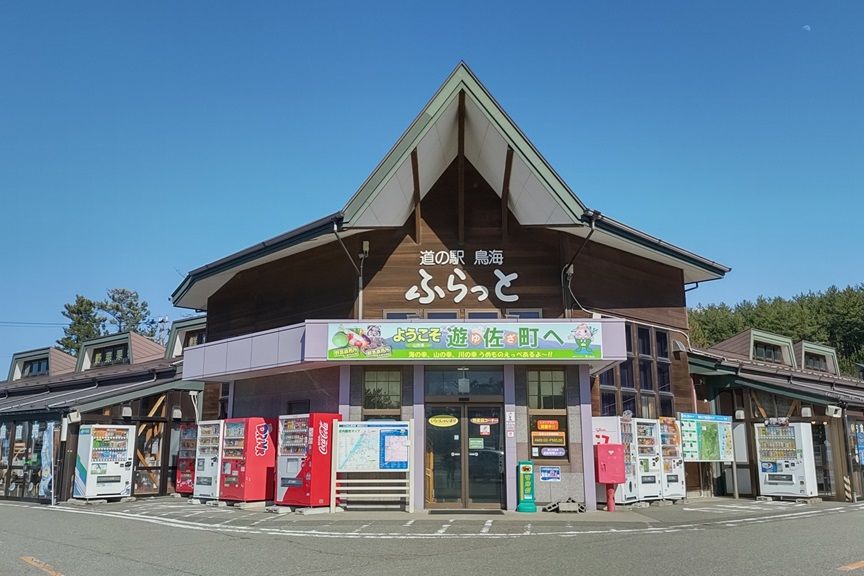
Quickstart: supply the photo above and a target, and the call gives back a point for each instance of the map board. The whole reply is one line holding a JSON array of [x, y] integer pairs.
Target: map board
[[372, 446], [706, 437]]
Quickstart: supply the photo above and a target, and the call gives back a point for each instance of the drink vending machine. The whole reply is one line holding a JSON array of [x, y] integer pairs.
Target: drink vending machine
[[248, 460], [304, 460], [786, 464], [650, 467], [674, 487], [619, 430], [185, 480], [103, 466], [208, 459]]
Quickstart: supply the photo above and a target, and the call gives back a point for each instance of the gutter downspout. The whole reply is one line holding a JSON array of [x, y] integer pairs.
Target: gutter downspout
[[848, 449], [356, 269]]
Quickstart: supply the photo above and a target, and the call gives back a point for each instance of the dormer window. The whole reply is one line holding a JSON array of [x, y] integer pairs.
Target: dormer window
[[815, 362], [767, 352], [194, 338], [110, 355], [35, 368]]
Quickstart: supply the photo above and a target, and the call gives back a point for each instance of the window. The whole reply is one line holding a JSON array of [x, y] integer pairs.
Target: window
[[482, 314], [464, 381], [607, 378], [194, 338], [401, 315], [815, 362], [667, 405], [224, 400], [628, 402], [608, 403], [628, 336], [767, 352], [646, 374], [626, 370], [442, 315], [110, 355], [662, 339], [35, 368], [297, 407], [648, 403], [547, 413], [382, 392], [664, 383], [526, 313], [546, 390], [644, 341]]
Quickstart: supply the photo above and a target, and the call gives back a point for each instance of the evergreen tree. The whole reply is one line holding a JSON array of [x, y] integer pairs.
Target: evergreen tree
[[127, 312], [85, 323]]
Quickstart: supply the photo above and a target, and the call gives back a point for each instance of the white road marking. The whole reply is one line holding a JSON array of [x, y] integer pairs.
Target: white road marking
[[408, 523], [486, 527], [360, 529], [445, 527], [527, 531]]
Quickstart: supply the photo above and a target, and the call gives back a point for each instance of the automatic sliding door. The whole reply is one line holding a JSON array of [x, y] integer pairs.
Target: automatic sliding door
[[485, 456], [444, 456]]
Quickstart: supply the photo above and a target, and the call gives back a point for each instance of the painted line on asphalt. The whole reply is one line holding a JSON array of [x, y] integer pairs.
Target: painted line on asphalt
[[440, 534], [851, 567], [408, 523], [486, 527], [40, 565]]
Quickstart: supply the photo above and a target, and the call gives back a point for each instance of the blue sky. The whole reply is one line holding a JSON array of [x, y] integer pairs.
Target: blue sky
[[141, 140]]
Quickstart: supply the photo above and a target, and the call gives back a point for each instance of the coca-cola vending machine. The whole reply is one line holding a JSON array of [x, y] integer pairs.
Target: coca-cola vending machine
[[303, 469], [185, 480], [248, 460]]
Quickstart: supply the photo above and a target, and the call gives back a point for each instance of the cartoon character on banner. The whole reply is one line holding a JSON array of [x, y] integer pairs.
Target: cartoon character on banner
[[583, 334]]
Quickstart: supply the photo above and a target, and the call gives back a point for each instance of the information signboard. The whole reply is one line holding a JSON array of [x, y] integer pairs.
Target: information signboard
[[706, 437], [455, 341], [373, 446]]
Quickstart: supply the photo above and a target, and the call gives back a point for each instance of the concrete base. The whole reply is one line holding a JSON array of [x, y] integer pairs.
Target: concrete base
[[310, 511], [764, 499], [82, 502], [639, 505], [128, 499], [576, 507], [258, 505], [279, 509], [814, 500], [194, 501], [661, 503], [217, 503]]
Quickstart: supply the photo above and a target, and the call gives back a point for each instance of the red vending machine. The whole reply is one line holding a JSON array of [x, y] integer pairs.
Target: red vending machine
[[248, 460], [305, 448], [186, 458]]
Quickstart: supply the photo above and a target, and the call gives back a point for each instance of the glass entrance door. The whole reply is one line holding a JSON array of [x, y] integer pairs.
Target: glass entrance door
[[464, 456]]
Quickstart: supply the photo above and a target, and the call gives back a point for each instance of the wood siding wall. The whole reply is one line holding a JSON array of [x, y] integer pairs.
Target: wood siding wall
[[321, 283]]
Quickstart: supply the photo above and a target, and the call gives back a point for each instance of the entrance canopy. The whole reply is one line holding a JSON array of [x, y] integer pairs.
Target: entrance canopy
[[462, 120]]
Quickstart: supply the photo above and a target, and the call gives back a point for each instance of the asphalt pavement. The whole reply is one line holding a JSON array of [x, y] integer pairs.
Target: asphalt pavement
[[168, 536]]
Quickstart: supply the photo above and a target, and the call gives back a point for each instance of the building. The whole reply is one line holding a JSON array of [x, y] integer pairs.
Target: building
[[463, 286], [118, 379], [757, 375]]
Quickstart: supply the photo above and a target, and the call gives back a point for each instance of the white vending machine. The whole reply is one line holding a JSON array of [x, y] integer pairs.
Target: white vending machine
[[674, 487], [618, 430], [786, 466], [103, 467], [208, 459], [649, 468]]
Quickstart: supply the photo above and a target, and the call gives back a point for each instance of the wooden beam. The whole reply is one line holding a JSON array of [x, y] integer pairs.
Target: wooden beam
[[415, 171], [505, 192], [461, 167]]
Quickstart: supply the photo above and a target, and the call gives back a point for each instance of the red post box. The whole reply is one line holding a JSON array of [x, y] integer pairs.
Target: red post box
[[609, 469], [609, 463]]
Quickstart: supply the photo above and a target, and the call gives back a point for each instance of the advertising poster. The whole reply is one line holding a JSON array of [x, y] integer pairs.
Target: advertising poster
[[706, 437], [550, 473], [47, 459], [445, 341]]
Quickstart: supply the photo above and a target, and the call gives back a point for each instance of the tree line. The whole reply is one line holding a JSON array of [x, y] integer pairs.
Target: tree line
[[834, 317], [122, 310]]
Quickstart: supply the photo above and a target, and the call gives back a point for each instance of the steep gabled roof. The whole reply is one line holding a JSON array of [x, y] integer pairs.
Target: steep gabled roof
[[538, 195]]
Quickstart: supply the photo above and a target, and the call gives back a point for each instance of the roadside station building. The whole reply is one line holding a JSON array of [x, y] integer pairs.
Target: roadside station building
[[464, 286], [118, 379], [755, 376]]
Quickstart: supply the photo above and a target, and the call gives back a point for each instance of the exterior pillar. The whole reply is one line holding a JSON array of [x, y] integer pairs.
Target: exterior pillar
[[344, 392], [510, 439], [419, 439], [587, 438]]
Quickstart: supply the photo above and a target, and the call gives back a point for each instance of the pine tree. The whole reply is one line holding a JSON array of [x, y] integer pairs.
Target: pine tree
[[85, 323], [127, 312]]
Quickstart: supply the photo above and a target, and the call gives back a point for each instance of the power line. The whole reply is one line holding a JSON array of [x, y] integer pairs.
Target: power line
[[16, 324]]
